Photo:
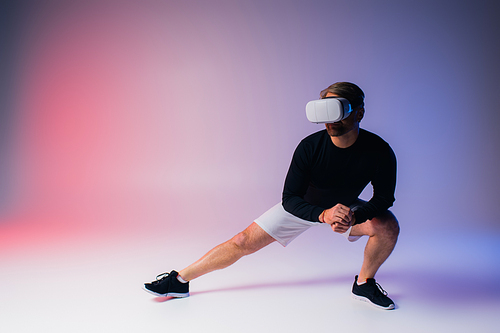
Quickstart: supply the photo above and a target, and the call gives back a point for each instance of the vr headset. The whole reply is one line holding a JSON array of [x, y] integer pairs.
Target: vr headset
[[328, 110]]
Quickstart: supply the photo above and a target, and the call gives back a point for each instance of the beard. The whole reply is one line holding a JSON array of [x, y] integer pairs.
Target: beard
[[336, 129]]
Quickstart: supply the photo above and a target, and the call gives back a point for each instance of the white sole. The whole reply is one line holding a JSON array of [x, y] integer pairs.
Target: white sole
[[176, 295], [364, 299]]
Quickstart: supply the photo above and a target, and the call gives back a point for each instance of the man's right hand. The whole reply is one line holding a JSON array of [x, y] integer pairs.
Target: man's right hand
[[340, 218]]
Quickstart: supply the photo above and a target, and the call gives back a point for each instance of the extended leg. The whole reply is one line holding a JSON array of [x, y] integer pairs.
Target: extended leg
[[246, 242], [383, 232]]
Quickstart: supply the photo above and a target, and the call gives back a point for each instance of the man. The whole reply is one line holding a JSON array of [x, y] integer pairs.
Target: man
[[328, 172]]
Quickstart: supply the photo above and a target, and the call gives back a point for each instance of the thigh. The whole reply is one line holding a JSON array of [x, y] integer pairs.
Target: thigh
[[363, 229], [257, 236], [370, 227]]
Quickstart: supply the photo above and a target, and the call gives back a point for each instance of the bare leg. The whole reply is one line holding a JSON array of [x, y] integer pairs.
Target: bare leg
[[246, 242], [383, 232]]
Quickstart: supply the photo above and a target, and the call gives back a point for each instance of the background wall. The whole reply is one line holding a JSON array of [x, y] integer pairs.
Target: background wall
[[154, 115]]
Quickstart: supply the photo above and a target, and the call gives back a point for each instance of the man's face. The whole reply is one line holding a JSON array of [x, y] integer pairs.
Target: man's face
[[348, 124]]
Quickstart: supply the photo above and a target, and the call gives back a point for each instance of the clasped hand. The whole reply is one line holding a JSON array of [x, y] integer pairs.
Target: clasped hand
[[339, 217]]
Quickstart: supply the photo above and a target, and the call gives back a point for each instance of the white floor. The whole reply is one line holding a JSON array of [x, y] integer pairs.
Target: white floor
[[92, 282]]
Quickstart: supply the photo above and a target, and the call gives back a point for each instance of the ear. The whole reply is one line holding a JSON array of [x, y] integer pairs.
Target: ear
[[360, 114]]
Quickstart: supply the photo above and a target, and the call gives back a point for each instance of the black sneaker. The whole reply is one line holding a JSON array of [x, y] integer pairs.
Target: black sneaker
[[166, 284], [372, 293]]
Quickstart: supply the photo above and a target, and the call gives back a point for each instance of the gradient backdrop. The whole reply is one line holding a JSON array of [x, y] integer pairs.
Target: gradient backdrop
[[139, 118], [106, 105]]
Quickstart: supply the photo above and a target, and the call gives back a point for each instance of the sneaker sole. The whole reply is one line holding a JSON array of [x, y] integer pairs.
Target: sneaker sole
[[364, 299], [176, 295]]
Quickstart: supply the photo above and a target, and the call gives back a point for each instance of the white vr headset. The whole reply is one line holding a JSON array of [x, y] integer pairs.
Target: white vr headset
[[328, 110]]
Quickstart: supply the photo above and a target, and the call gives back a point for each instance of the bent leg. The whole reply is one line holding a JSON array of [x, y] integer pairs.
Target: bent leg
[[250, 240], [383, 231]]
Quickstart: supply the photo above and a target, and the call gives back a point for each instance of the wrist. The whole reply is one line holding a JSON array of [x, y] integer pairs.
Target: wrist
[[322, 217]]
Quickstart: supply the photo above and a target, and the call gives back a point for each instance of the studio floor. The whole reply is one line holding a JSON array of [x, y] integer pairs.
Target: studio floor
[[54, 279]]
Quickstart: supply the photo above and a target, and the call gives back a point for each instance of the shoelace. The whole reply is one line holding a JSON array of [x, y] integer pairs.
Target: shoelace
[[381, 289], [161, 277]]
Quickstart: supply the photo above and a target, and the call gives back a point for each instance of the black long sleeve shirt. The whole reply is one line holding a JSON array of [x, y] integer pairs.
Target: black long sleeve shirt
[[322, 175]]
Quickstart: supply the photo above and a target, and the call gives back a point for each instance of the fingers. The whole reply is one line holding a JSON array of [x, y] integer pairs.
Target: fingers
[[339, 214], [343, 215], [340, 228]]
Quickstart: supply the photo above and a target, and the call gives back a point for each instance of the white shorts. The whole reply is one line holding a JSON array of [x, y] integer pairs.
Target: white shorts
[[285, 227]]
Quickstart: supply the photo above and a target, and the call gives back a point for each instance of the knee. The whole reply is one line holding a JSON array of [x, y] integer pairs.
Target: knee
[[242, 242], [386, 225]]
